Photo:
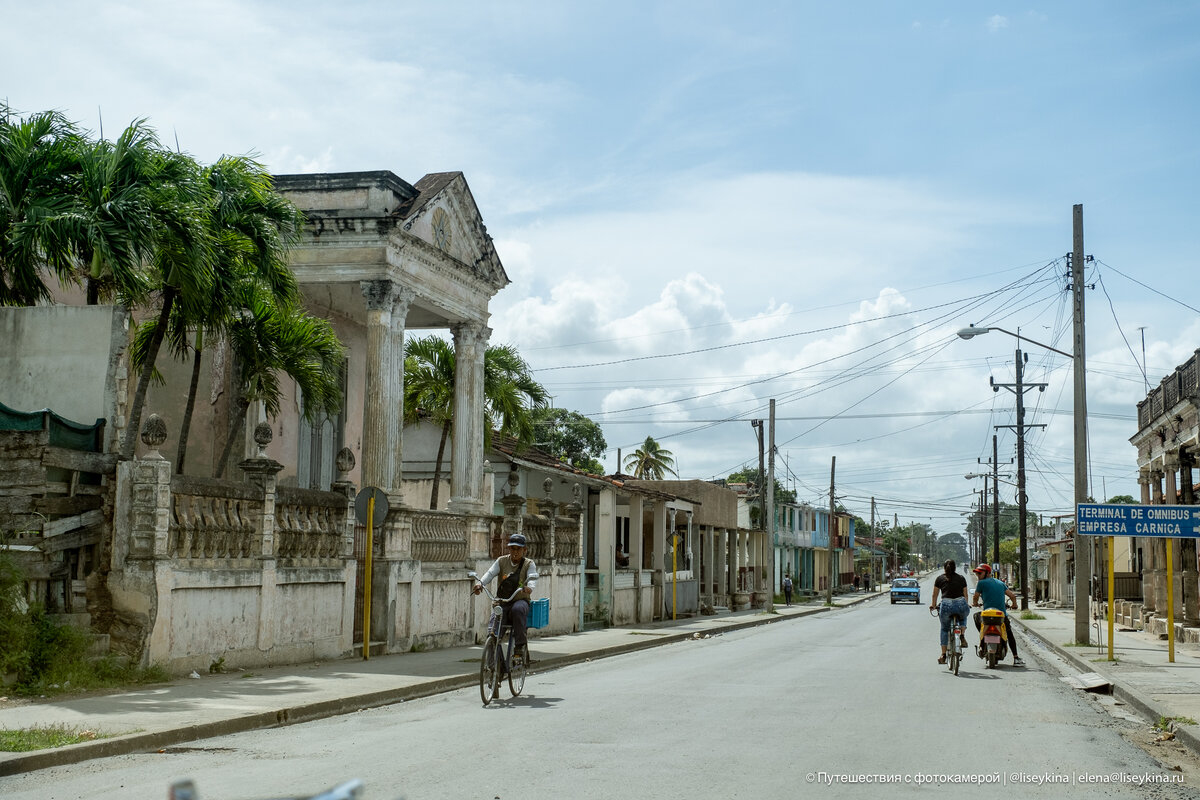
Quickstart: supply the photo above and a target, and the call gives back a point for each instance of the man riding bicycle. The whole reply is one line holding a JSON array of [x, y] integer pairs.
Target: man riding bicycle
[[953, 589], [994, 592], [516, 572]]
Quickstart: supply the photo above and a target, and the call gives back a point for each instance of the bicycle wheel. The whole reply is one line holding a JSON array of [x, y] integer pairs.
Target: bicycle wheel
[[955, 658], [516, 671], [489, 674]]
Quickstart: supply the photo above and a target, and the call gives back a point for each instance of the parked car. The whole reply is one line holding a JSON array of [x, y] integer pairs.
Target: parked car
[[906, 589]]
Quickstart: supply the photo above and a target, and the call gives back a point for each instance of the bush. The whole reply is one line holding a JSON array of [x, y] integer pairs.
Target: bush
[[15, 627], [49, 658]]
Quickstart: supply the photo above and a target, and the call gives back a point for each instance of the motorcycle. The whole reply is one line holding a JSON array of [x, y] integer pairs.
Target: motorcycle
[[993, 636]]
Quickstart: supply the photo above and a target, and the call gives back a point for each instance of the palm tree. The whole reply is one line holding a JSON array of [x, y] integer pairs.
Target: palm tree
[[38, 169], [509, 390], [270, 338], [651, 461], [253, 228]]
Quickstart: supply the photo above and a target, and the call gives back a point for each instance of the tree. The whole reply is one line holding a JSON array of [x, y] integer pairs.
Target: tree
[[651, 461], [509, 390], [39, 162], [750, 475], [571, 437], [252, 229], [1123, 499], [273, 338]]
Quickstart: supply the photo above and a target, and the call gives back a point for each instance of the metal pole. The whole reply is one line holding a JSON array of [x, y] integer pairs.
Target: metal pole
[[1083, 561]]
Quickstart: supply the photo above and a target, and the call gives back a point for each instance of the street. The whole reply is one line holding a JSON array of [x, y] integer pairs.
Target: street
[[827, 706]]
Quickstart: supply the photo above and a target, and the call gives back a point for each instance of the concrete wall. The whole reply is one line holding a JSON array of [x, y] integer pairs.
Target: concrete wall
[[58, 357]]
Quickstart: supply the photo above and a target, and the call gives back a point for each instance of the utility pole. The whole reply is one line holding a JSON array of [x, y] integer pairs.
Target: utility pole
[[770, 526], [1019, 389], [874, 543], [995, 501], [832, 568], [1083, 560], [895, 538]]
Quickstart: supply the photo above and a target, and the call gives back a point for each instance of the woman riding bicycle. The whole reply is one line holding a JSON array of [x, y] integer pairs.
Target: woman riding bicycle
[[516, 572], [953, 589]]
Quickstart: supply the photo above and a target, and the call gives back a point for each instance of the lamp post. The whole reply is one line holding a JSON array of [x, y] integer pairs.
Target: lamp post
[[1080, 452]]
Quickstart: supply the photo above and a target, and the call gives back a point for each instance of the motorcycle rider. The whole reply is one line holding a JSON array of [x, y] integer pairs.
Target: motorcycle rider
[[953, 589], [993, 593]]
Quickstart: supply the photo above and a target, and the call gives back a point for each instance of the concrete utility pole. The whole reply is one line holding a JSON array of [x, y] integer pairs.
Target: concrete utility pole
[[1019, 389], [874, 543], [832, 568], [770, 526], [1083, 561], [995, 500]]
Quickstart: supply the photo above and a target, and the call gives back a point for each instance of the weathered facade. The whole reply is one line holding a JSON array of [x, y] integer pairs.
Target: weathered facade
[[196, 570], [1167, 442]]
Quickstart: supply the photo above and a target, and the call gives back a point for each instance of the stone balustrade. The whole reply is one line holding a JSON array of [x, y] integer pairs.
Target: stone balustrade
[[214, 520], [439, 536], [310, 527]]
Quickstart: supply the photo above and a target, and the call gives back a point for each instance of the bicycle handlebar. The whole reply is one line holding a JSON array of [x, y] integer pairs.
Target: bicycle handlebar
[[493, 597]]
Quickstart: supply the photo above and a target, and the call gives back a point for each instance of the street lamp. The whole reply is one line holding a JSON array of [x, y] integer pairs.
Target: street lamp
[[1082, 609]]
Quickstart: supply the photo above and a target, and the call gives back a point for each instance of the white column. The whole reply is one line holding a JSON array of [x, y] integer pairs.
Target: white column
[[636, 526], [466, 468], [384, 394]]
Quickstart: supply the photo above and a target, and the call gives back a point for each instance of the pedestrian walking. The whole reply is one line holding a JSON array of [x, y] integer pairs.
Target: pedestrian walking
[[787, 589]]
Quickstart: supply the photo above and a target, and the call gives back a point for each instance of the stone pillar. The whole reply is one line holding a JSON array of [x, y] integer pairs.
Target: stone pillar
[[637, 548], [383, 397], [260, 472], [720, 567], [731, 564], [1160, 545], [1183, 551], [1149, 552], [466, 467]]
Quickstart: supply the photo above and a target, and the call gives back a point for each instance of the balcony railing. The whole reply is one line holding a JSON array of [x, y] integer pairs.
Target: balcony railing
[[1179, 385]]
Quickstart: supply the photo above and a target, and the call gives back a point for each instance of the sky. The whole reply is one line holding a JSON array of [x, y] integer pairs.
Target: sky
[[703, 206]]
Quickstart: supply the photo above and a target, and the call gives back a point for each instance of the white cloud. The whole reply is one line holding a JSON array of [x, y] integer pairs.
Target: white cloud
[[997, 23]]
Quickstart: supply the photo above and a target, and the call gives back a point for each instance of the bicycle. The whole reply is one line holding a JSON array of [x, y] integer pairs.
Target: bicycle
[[954, 650], [498, 657]]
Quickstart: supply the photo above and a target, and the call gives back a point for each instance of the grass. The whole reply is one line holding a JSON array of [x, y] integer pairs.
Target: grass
[[73, 675], [1031, 615], [1113, 660], [1164, 723], [43, 737], [1078, 644]]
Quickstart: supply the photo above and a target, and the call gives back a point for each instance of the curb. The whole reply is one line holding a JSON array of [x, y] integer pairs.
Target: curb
[[1144, 706], [308, 712]]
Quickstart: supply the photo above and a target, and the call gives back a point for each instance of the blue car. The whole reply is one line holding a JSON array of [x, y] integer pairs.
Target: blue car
[[906, 589]]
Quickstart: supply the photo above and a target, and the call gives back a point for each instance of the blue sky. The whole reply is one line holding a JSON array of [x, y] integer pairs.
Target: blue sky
[[749, 198]]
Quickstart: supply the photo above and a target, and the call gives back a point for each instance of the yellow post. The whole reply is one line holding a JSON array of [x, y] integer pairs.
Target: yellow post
[[367, 579], [1111, 581], [1170, 606]]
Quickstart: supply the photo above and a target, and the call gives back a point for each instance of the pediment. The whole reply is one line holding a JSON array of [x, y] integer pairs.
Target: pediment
[[444, 215]]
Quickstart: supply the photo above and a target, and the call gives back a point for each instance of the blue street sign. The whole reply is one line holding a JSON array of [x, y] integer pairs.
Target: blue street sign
[[1164, 522]]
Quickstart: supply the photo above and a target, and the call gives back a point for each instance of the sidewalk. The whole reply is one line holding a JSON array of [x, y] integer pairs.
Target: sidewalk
[[1141, 676], [155, 717]]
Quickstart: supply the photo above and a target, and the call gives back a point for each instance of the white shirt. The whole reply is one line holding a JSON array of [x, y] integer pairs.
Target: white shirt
[[494, 570]]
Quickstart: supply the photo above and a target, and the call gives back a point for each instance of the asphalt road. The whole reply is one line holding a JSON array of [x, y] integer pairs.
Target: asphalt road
[[792, 709]]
